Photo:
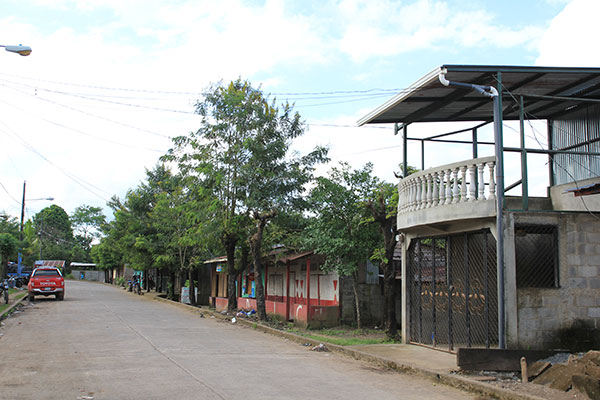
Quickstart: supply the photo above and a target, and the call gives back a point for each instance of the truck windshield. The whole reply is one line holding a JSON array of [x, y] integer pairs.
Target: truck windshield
[[47, 272]]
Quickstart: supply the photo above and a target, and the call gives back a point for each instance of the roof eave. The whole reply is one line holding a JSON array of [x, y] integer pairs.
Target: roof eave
[[400, 97]]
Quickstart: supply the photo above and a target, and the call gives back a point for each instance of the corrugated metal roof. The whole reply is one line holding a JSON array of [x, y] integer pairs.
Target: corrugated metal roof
[[427, 100], [295, 256], [49, 263], [216, 260]]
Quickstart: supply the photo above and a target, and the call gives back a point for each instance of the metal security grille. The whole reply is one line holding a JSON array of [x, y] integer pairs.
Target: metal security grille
[[453, 294], [536, 248]]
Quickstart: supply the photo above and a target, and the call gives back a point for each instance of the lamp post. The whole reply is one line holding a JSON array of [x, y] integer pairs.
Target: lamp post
[[22, 218], [20, 49]]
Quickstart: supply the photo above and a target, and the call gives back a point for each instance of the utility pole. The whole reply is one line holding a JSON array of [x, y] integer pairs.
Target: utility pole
[[20, 258]]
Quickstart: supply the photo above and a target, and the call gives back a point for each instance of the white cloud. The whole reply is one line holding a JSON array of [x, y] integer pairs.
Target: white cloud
[[567, 40], [385, 28]]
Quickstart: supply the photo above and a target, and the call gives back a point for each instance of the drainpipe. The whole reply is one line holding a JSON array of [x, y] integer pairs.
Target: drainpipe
[[491, 92]]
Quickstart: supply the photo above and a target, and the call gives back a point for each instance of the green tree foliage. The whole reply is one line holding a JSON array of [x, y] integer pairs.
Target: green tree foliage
[[8, 246], [183, 224], [87, 222], [55, 234], [340, 229], [240, 154], [9, 224]]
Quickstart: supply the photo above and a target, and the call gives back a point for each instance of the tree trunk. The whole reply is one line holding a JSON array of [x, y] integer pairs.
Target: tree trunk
[[255, 249], [192, 286], [387, 225], [389, 292], [172, 277], [356, 299], [229, 242]]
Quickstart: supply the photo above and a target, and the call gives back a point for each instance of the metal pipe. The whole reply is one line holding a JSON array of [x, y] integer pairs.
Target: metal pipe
[[422, 155], [497, 105], [404, 151], [493, 93], [524, 187]]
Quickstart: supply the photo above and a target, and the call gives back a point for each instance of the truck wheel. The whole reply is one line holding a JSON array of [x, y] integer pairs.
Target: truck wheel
[[60, 296], [31, 297]]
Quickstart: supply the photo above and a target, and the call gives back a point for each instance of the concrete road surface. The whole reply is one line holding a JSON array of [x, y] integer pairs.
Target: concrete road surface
[[104, 343]]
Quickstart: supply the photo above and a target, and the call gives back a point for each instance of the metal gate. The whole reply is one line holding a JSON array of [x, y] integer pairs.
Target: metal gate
[[453, 292]]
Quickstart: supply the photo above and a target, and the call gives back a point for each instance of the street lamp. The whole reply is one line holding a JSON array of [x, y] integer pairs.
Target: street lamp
[[22, 218], [20, 49]]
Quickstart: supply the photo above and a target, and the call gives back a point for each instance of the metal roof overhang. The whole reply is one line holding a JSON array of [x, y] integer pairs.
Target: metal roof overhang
[[427, 100]]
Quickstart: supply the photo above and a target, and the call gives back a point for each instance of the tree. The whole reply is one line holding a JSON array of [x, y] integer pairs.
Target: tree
[[239, 154], [87, 222], [183, 223], [340, 229], [133, 231], [9, 224], [55, 234], [8, 246], [383, 210]]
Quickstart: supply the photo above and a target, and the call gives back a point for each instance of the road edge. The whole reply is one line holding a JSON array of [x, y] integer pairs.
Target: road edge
[[456, 381]]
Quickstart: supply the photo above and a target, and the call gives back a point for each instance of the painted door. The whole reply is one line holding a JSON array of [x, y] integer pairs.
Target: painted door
[[292, 296]]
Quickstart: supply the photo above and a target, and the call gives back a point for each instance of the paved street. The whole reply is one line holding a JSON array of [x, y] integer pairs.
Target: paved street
[[104, 343]]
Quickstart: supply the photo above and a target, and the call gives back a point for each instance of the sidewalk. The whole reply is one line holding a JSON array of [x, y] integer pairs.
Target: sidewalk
[[425, 362]]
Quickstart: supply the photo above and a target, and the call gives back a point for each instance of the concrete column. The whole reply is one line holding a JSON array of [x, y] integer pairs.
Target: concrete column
[[511, 316], [308, 289]]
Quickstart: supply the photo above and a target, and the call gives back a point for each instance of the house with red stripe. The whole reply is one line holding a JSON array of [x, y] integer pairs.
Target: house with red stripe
[[295, 288]]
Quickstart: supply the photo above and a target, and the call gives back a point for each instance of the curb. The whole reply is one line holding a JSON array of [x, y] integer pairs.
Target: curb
[[452, 380], [7, 312]]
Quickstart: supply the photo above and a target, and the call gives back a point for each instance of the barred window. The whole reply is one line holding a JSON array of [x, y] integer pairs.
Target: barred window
[[536, 248]]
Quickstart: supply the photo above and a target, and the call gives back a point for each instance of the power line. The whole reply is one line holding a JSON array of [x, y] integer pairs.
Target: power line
[[9, 195], [88, 113], [74, 178], [202, 93]]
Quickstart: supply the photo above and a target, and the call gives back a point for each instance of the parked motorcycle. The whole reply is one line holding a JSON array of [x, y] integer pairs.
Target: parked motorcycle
[[5, 290]]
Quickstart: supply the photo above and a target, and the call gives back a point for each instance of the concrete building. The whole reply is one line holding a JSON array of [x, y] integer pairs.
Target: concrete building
[[483, 266]]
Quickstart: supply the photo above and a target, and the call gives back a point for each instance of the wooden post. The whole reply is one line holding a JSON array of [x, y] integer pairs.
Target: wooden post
[[287, 292], [524, 376], [266, 280], [307, 289]]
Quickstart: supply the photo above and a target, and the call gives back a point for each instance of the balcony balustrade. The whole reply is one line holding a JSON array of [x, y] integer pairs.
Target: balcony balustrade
[[454, 191]]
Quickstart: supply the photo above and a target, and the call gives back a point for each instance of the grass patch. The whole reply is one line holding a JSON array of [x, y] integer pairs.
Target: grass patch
[[14, 295], [344, 336]]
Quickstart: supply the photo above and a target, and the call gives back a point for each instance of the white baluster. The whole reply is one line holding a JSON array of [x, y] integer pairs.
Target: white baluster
[[411, 194], [492, 193], [419, 194], [442, 189], [472, 183], [401, 196], [448, 186], [436, 189], [429, 191], [481, 182], [463, 183], [455, 197]]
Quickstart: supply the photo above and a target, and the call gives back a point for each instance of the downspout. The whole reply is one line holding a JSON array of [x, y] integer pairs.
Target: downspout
[[491, 92]]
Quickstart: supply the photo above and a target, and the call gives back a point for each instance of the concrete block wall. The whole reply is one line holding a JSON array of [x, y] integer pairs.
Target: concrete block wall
[[97, 276], [370, 300], [568, 316]]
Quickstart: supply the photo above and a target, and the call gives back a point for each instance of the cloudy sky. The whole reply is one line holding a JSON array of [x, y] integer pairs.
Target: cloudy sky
[[110, 81]]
